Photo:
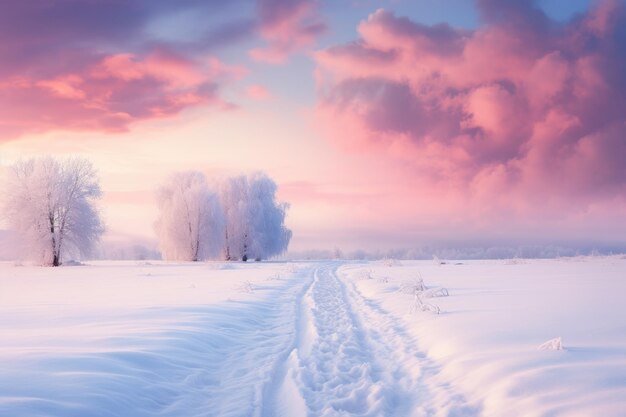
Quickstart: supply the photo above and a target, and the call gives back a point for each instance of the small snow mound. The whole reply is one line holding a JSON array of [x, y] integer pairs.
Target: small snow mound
[[73, 263], [552, 344]]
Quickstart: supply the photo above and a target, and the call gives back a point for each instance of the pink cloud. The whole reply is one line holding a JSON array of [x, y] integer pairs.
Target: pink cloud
[[520, 115], [68, 86], [110, 92], [258, 92], [287, 26], [101, 65]]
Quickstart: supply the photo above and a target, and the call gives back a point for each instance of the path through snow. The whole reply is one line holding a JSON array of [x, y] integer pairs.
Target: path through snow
[[353, 359], [183, 340]]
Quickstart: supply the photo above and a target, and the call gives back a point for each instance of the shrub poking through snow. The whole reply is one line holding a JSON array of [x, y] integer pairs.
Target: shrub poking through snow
[[413, 286], [552, 344], [390, 262], [420, 305], [418, 289], [435, 292], [274, 277], [245, 287]]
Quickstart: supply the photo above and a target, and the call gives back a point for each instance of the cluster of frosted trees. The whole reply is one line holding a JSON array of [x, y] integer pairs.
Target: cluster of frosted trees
[[50, 204], [235, 218]]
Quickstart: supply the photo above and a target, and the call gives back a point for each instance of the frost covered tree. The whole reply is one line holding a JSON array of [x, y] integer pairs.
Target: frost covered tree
[[255, 226], [233, 198], [50, 203], [267, 233], [190, 225]]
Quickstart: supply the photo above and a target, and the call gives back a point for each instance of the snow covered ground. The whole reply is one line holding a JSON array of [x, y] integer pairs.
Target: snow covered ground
[[485, 341], [313, 338]]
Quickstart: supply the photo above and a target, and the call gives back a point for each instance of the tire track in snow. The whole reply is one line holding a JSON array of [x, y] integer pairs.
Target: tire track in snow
[[333, 371], [408, 368], [352, 359]]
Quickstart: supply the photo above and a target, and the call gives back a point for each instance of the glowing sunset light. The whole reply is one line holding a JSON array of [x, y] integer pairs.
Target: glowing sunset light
[[398, 124]]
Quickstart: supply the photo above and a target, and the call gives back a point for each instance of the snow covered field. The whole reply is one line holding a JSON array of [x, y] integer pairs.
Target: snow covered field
[[485, 341], [313, 338]]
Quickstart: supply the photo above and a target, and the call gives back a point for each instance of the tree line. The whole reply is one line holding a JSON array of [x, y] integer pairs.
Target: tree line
[[51, 205], [235, 218]]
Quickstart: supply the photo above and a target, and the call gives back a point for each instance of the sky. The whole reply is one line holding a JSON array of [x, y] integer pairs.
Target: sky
[[386, 124]]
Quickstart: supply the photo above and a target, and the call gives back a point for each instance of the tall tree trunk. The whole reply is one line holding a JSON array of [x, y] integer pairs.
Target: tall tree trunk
[[244, 257], [197, 250], [53, 241], [226, 244]]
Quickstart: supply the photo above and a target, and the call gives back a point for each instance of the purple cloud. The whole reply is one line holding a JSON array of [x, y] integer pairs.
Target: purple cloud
[[62, 61], [521, 109]]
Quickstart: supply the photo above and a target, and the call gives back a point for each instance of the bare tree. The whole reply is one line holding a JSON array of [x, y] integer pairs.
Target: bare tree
[[190, 226], [51, 205]]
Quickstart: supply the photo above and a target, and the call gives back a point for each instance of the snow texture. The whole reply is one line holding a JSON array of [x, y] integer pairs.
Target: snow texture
[[312, 339]]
